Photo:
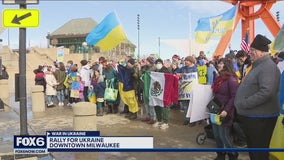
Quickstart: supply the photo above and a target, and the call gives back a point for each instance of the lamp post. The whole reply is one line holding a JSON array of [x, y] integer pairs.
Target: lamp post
[[159, 44], [84, 47], [138, 29]]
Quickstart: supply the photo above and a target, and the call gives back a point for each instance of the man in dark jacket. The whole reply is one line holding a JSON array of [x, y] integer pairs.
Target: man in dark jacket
[[257, 98], [126, 77]]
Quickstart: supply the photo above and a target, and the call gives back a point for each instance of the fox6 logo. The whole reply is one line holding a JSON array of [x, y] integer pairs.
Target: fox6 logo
[[29, 141]]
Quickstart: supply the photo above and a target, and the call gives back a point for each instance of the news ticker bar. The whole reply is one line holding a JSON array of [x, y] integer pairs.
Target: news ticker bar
[[77, 141], [44, 151], [186, 150], [91, 141]]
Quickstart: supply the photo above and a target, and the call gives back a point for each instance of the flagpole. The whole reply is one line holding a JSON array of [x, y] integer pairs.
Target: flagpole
[[190, 48], [159, 47]]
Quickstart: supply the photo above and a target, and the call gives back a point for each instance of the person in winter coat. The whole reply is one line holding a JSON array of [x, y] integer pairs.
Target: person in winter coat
[[127, 79], [51, 84], [39, 77], [150, 117], [85, 74], [98, 85], [4, 74], [60, 76], [224, 90], [189, 67], [77, 88], [162, 113], [70, 78], [110, 74], [257, 98]]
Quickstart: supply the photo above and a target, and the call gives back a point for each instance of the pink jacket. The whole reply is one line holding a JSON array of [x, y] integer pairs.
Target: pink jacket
[[81, 95]]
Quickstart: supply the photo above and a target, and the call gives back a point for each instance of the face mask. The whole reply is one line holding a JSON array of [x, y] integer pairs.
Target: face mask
[[159, 66]]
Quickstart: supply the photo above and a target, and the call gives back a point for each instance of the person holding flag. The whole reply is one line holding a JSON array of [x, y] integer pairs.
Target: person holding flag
[[162, 112], [224, 88], [126, 89], [189, 67]]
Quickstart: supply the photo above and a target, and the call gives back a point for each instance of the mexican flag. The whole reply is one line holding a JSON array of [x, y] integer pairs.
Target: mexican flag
[[160, 89]]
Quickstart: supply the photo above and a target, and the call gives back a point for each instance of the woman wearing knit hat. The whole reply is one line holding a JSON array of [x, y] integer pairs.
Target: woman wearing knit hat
[[150, 60]]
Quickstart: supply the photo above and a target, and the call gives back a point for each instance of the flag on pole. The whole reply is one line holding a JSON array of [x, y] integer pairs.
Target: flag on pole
[[215, 26], [279, 40], [245, 43], [160, 89], [107, 34]]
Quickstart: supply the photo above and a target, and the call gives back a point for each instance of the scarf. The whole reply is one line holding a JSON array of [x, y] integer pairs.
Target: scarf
[[218, 82]]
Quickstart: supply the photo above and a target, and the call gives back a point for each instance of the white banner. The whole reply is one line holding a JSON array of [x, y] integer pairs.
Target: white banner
[[60, 54], [200, 97], [185, 85]]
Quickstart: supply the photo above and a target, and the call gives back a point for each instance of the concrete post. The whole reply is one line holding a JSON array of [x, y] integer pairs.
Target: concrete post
[[84, 118], [38, 101], [4, 85]]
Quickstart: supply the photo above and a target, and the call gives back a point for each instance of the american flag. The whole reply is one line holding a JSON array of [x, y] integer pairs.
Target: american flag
[[245, 43]]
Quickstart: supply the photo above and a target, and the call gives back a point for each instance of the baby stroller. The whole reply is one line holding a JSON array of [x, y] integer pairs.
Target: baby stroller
[[201, 137]]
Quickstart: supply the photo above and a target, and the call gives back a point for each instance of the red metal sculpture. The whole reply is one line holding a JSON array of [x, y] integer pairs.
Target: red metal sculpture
[[246, 13]]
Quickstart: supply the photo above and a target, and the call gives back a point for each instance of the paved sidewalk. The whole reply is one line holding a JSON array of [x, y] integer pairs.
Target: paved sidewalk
[[60, 118]]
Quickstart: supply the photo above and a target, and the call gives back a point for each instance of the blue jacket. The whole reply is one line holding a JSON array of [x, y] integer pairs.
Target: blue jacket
[[100, 89], [186, 69]]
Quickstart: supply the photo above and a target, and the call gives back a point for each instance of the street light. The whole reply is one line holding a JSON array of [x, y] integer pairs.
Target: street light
[[84, 45], [159, 47]]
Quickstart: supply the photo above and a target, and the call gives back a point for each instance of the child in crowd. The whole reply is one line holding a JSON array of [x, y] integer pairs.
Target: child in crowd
[[98, 86], [51, 84], [77, 88]]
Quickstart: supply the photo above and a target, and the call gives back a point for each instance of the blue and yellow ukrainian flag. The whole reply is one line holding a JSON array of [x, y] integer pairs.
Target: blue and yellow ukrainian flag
[[277, 139], [279, 40], [215, 26], [215, 119], [108, 34]]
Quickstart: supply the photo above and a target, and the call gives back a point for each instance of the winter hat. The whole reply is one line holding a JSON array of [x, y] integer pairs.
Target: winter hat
[[260, 43], [150, 59], [176, 57], [159, 60], [281, 55], [190, 59], [241, 53], [131, 61]]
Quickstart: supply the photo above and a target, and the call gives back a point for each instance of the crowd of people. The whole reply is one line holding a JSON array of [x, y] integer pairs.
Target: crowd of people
[[245, 84]]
